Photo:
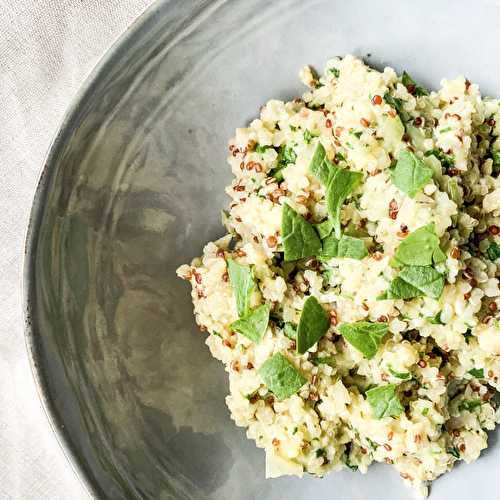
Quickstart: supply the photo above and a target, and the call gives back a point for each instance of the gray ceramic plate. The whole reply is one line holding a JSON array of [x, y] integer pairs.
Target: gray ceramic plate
[[133, 187]]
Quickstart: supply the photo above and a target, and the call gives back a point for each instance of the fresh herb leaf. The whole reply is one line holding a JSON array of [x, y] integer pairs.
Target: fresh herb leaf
[[281, 377], [347, 247], [353, 467], [366, 337], [299, 236], [335, 72], [313, 324], [356, 133], [454, 452], [493, 251], [341, 183], [242, 282], [309, 136], [400, 375], [410, 174], [419, 248], [447, 161], [384, 401], [290, 331], [324, 228], [425, 411], [469, 404], [446, 129], [254, 324], [325, 360], [217, 334], [424, 278], [477, 372], [261, 149], [400, 289], [320, 452], [413, 87], [320, 166]]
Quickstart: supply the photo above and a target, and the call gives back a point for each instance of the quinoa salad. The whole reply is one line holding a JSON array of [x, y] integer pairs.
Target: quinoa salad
[[354, 300]]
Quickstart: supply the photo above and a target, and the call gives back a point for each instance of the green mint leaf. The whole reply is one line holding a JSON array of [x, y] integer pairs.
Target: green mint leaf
[[309, 136], [330, 248], [400, 289], [313, 324], [242, 282], [420, 248], [469, 404], [364, 336], [324, 228], [325, 360], [412, 86], [320, 166], [299, 236], [477, 372], [290, 331], [400, 375], [411, 174], [447, 161], [424, 278], [352, 248], [281, 377], [254, 324], [384, 401], [341, 184], [493, 251]]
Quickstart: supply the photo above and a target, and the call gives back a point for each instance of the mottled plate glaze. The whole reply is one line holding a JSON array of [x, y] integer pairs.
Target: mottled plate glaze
[[133, 187]]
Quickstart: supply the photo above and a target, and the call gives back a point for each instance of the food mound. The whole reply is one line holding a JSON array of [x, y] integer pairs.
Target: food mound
[[354, 298]]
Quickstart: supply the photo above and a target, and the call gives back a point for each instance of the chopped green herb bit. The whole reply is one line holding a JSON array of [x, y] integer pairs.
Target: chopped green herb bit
[[419, 248], [309, 136], [320, 452], [242, 282], [436, 320], [366, 337], [469, 404], [351, 466], [384, 401], [261, 149], [425, 411], [454, 452], [447, 161], [299, 236], [477, 372], [495, 154], [281, 377], [493, 251], [411, 174], [320, 166], [313, 324], [444, 130], [356, 133], [254, 324], [412, 86], [339, 157], [400, 375], [324, 360], [334, 71]]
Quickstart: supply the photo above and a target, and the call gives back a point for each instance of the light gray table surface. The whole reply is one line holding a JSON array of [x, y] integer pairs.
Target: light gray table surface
[[47, 48]]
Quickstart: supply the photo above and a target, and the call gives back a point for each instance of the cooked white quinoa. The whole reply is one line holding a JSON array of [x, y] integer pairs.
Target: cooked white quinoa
[[364, 120]]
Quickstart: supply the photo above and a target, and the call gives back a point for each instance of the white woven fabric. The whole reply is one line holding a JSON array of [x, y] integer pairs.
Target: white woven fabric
[[47, 48]]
